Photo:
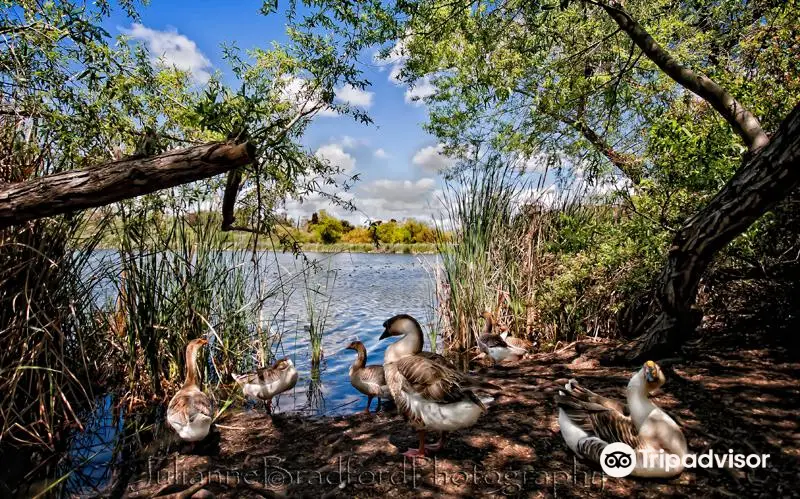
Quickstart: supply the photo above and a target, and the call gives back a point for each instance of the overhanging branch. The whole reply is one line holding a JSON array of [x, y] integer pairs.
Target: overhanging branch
[[744, 123], [117, 180]]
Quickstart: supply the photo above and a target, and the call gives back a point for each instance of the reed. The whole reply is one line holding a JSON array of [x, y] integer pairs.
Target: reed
[[478, 208], [548, 267], [181, 278], [318, 286]]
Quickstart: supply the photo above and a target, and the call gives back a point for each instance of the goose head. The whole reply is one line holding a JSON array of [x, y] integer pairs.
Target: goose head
[[411, 332], [196, 344], [285, 364], [649, 378], [357, 346]]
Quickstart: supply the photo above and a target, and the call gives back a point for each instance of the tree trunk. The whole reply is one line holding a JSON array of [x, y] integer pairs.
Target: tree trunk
[[765, 179], [111, 182]]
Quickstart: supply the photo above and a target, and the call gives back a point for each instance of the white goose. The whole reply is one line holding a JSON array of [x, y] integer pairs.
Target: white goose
[[189, 411], [267, 382], [590, 422], [428, 391]]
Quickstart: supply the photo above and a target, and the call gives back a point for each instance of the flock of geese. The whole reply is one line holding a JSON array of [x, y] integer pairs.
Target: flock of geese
[[435, 397]]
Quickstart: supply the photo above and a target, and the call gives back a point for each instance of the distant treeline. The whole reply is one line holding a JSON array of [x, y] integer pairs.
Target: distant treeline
[[322, 228]]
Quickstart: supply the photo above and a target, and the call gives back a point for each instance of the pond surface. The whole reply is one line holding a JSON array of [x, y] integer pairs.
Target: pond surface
[[367, 290]]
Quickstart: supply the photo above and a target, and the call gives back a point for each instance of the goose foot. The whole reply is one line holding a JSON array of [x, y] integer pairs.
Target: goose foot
[[412, 453], [369, 401]]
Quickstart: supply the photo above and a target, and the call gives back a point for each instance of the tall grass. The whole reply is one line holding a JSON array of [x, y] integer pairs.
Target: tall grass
[[547, 267], [52, 355], [318, 286], [479, 209], [181, 278]]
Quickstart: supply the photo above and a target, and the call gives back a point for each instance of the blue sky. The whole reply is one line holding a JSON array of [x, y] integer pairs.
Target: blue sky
[[398, 161]]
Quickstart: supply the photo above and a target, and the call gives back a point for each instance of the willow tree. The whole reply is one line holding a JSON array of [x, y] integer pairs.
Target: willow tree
[[699, 96]]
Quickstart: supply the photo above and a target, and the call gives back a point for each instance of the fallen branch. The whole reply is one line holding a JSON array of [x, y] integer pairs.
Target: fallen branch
[[108, 183]]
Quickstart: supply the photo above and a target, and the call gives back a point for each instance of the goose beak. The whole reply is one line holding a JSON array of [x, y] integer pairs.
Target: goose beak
[[650, 371], [385, 334]]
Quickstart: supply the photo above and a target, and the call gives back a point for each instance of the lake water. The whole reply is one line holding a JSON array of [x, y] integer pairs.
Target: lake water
[[368, 289]]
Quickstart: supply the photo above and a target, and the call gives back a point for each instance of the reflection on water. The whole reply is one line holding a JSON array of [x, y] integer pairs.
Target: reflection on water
[[369, 289]]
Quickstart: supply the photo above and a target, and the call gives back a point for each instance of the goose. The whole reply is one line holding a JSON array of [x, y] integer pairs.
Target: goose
[[189, 411], [369, 380], [428, 391], [589, 423], [516, 342], [494, 345], [266, 382]]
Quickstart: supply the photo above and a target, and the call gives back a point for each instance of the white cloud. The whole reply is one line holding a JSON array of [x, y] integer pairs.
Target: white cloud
[[394, 60], [336, 156], [431, 159], [354, 96], [546, 197], [349, 142], [380, 153], [416, 94], [385, 199], [537, 163], [170, 48], [296, 91]]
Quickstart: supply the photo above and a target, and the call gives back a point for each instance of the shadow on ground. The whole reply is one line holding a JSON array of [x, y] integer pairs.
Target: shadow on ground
[[727, 393]]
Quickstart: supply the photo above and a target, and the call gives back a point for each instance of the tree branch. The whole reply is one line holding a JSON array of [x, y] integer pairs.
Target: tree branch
[[744, 123], [628, 164], [117, 180]]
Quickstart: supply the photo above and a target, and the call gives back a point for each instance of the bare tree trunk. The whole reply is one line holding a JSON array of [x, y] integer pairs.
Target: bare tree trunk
[[117, 180], [760, 184]]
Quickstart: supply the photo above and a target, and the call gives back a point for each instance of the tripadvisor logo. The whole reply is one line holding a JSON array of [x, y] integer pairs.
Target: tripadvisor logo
[[618, 460]]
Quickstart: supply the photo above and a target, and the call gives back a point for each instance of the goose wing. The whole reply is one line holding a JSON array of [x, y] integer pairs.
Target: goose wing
[[519, 343], [437, 358], [587, 395], [187, 405], [261, 376], [373, 375], [608, 424], [493, 341], [431, 379]]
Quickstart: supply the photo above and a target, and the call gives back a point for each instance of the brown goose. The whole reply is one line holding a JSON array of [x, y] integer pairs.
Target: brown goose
[[428, 391], [494, 345], [267, 382], [589, 422], [189, 411], [369, 380]]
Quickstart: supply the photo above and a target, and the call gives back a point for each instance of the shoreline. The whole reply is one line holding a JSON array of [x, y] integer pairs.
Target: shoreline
[[514, 448]]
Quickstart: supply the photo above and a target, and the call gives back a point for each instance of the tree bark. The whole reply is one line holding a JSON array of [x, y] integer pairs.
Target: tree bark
[[744, 123], [117, 180], [765, 179]]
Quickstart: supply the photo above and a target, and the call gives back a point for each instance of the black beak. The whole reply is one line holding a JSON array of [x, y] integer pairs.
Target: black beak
[[385, 334]]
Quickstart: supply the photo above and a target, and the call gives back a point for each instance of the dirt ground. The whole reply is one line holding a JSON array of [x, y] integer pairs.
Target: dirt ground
[[727, 393]]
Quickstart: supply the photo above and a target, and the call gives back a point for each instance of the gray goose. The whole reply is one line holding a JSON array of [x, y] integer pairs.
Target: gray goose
[[189, 411], [267, 382], [589, 423], [494, 345], [428, 391], [369, 380]]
